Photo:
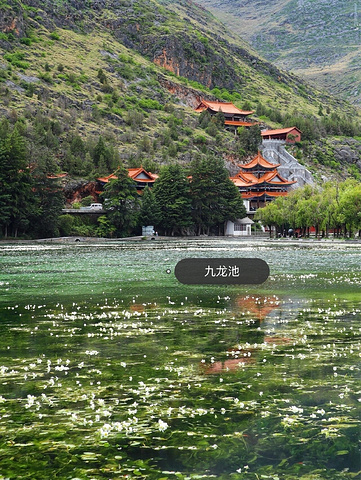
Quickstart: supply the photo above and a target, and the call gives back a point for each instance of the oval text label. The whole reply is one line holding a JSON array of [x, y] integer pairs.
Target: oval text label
[[222, 271]]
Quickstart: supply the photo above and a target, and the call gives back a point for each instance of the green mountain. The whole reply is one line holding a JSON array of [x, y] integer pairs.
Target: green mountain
[[318, 40], [94, 83]]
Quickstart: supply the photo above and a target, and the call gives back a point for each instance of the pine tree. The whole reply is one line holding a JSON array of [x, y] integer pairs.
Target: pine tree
[[49, 201], [215, 198], [99, 151], [171, 192], [121, 202], [15, 185], [249, 139], [149, 212]]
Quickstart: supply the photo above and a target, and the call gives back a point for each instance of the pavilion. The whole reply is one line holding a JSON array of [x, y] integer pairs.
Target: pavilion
[[141, 177], [259, 183], [233, 116], [288, 135]]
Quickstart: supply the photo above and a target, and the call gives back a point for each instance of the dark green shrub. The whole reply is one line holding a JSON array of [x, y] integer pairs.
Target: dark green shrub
[[54, 36]]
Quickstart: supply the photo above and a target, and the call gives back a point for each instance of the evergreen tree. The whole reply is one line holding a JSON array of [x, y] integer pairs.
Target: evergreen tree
[[106, 159], [15, 185], [121, 203], [172, 194], [77, 146], [215, 198], [49, 201], [249, 139], [149, 212], [204, 119], [219, 119], [99, 151]]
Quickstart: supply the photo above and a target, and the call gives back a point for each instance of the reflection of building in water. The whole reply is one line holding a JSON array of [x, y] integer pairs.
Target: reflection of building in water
[[259, 306], [229, 365], [243, 355]]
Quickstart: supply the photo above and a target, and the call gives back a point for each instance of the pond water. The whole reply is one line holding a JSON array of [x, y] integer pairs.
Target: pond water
[[111, 369]]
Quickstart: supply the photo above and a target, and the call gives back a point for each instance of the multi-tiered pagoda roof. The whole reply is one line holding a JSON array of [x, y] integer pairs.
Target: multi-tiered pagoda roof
[[259, 182]]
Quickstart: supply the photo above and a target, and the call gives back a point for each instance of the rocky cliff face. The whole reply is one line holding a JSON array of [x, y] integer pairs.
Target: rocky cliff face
[[188, 96], [179, 38]]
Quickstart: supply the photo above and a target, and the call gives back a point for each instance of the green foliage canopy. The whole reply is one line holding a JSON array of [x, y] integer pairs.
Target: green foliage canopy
[[335, 206], [121, 203], [171, 192], [215, 198]]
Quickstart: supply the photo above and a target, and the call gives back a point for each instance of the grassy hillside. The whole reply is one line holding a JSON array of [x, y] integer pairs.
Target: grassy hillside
[[131, 73], [317, 40]]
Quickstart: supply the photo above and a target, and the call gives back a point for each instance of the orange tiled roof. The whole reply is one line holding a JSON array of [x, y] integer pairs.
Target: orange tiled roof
[[277, 194], [244, 179], [279, 131], [133, 173], [269, 176], [240, 182], [259, 160], [226, 107], [248, 179], [108, 178]]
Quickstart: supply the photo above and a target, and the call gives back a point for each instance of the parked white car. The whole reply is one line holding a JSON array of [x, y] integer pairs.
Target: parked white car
[[96, 206]]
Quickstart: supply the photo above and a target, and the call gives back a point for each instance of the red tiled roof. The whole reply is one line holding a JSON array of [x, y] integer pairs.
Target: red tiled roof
[[133, 173], [226, 107], [108, 178], [247, 179], [259, 160], [279, 131], [239, 182], [269, 176]]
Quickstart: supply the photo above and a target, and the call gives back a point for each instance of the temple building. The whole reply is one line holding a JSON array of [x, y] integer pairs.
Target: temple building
[[233, 116], [259, 183], [288, 135], [141, 177]]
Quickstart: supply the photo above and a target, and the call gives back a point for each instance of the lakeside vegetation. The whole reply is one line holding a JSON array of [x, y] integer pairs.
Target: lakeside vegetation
[[335, 207]]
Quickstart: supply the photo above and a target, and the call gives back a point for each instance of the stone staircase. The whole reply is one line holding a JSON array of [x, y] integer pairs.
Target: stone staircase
[[275, 152]]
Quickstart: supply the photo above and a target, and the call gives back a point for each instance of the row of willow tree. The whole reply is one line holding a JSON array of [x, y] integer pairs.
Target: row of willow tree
[[335, 208], [197, 200]]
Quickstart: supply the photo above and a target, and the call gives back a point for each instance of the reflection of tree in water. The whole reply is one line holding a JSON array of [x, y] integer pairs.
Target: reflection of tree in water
[[255, 309]]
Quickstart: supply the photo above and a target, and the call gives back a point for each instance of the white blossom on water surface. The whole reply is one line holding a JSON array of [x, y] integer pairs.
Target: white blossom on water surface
[[162, 425]]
